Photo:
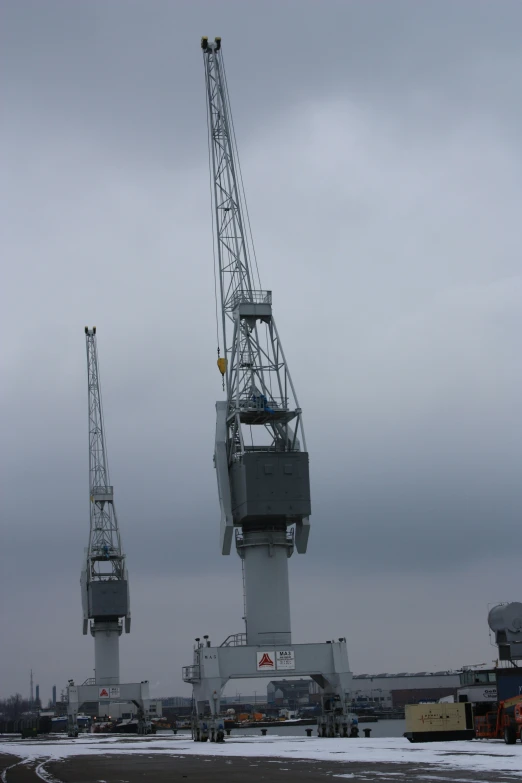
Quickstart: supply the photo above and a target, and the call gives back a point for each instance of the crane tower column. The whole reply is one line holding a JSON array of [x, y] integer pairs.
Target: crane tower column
[[106, 651], [267, 595]]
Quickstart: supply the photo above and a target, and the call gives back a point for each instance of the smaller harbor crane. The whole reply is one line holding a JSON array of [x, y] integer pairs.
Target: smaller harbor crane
[[104, 578]]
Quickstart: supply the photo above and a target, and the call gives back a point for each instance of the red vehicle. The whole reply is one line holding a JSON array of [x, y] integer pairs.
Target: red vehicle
[[505, 723]]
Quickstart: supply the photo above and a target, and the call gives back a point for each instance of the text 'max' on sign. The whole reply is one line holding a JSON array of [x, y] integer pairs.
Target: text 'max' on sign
[[285, 659]]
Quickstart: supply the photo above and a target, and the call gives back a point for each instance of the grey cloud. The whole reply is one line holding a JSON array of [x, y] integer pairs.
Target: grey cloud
[[382, 168]]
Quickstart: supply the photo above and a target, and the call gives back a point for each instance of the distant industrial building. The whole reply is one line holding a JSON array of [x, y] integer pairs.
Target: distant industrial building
[[242, 698], [289, 693], [397, 690], [176, 701], [379, 690]]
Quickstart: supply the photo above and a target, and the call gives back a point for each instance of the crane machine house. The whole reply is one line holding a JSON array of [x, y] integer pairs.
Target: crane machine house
[[263, 480]]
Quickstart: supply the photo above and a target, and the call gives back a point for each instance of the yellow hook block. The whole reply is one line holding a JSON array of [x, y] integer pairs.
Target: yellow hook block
[[222, 366]]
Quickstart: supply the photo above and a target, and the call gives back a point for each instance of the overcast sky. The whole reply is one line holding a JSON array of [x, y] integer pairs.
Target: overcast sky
[[380, 147]]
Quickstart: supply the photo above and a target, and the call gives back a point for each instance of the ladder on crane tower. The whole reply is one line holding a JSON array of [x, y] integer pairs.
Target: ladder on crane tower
[[244, 593]]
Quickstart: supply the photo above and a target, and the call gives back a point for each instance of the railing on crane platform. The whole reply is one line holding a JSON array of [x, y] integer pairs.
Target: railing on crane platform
[[235, 640], [260, 402], [244, 296], [191, 673], [100, 493], [260, 409], [263, 541]]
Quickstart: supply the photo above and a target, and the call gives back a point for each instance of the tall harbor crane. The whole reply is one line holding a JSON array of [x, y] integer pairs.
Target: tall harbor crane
[[260, 452], [104, 579], [260, 455]]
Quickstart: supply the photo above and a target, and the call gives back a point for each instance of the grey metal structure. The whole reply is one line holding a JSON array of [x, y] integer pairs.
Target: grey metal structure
[[505, 620], [104, 578], [260, 450]]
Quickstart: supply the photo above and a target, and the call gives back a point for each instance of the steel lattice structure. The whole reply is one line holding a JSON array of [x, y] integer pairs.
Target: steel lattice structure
[[104, 536], [259, 386]]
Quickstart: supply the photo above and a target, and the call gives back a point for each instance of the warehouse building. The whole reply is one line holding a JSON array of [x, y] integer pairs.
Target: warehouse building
[[378, 690], [397, 690], [289, 693]]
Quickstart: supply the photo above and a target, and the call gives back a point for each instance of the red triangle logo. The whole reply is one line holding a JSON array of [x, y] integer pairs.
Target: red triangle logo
[[265, 660], [104, 692]]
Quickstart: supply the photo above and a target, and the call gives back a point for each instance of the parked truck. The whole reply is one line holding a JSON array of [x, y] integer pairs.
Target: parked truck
[[503, 723]]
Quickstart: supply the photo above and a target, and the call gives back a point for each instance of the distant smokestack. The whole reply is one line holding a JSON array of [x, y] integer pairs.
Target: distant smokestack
[[37, 693], [54, 695], [31, 688]]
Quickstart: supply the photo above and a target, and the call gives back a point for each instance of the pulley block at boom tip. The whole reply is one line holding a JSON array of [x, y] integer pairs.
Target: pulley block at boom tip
[[216, 46]]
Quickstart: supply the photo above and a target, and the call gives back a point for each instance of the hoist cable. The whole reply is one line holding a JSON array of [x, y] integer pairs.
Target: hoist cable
[[213, 218], [238, 161], [102, 421]]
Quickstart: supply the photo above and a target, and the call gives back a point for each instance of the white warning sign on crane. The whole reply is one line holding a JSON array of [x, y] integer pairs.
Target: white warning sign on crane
[[266, 661], [285, 659]]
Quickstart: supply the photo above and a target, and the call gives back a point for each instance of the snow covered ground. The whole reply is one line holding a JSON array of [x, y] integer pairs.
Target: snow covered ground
[[483, 756]]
